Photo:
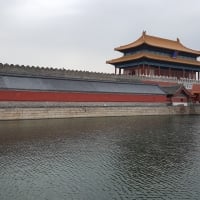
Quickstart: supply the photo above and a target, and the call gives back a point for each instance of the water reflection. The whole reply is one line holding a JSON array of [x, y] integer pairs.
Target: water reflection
[[101, 158]]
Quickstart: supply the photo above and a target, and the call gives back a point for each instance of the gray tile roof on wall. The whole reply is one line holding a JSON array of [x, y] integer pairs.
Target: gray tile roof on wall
[[53, 84], [171, 90]]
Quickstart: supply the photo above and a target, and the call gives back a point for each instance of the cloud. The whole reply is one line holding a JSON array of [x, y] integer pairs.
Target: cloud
[[42, 9], [82, 33]]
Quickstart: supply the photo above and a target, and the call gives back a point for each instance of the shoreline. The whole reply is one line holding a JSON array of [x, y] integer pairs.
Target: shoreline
[[91, 110]]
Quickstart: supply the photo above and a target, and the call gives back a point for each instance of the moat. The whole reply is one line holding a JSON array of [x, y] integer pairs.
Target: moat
[[140, 157]]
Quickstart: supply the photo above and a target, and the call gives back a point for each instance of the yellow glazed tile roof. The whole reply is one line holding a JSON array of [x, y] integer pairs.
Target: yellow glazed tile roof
[[158, 42], [154, 57]]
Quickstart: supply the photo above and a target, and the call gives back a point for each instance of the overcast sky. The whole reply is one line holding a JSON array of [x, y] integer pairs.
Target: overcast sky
[[82, 34]]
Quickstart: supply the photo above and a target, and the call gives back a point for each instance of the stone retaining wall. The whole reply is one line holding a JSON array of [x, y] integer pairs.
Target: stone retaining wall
[[93, 111]]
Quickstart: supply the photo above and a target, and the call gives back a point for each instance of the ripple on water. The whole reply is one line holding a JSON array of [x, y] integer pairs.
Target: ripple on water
[[100, 158]]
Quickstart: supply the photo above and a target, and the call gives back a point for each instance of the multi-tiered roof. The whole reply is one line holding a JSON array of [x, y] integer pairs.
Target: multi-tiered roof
[[174, 52]]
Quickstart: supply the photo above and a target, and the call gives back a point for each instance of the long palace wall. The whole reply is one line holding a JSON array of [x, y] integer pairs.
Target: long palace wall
[[78, 97], [18, 83], [23, 108]]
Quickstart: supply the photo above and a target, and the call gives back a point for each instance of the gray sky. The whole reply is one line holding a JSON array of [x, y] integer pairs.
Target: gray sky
[[81, 34]]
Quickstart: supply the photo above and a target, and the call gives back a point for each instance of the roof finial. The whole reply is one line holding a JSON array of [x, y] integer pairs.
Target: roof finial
[[178, 40], [143, 35]]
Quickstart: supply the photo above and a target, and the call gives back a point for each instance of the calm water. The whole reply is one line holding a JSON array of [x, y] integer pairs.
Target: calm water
[[101, 158]]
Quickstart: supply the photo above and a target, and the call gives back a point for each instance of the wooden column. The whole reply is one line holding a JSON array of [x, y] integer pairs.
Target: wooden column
[[143, 69], [194, 75], [119, 71], [183, 73], [169, 72], [187, 74]]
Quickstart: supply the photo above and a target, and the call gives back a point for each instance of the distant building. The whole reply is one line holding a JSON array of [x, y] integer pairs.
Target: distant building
[[158, 60], [178, 95]]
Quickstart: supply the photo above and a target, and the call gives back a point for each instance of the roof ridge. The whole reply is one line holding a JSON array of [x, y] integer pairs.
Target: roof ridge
[[165, 39], [177, 41], [156, 41]]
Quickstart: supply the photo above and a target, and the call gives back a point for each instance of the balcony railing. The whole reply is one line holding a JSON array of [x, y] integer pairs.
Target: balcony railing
[[165, 79]]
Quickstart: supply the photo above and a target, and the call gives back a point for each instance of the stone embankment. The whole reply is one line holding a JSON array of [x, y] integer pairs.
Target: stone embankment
[[91, 110]]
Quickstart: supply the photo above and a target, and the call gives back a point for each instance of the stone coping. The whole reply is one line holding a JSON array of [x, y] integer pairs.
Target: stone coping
[[29, 104], [21, 70]]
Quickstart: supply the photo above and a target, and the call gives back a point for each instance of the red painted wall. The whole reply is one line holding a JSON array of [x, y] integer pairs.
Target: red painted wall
[[7, 95], [179, 99]]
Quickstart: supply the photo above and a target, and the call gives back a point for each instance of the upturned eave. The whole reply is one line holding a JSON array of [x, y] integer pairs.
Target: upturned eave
[[154, 41], [137, 56]]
